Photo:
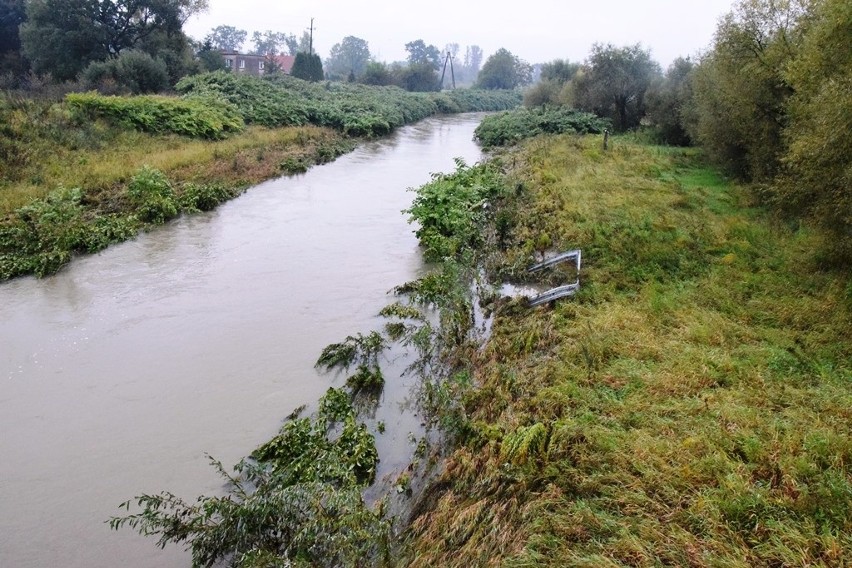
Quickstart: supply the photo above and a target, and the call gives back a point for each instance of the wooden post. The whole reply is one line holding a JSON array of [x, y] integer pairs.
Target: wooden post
[[606, 138]]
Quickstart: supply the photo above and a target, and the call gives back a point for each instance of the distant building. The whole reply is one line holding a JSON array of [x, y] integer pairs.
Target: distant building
[[285, 63], [256, 65]]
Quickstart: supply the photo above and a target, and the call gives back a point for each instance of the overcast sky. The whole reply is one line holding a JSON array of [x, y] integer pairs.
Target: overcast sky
[[535, 30]]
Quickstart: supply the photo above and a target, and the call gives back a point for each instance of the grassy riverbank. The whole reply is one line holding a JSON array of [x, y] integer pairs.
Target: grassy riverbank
[[690, 407], [87, 191], [67, 168]]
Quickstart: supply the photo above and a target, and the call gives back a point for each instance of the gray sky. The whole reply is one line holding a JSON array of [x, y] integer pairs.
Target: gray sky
[[535, 30]]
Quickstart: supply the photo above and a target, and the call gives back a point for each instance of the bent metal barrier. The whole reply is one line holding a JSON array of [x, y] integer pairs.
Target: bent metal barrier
[[560, 291]]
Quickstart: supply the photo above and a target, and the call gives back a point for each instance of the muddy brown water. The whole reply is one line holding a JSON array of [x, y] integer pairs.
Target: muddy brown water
[[119, 375]]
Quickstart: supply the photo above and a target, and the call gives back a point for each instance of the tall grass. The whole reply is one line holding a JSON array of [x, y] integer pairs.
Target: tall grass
[[690, 406]]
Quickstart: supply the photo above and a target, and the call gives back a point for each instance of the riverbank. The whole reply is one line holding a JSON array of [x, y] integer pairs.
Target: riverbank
[[690, 406], [198, 337], [68, 168]]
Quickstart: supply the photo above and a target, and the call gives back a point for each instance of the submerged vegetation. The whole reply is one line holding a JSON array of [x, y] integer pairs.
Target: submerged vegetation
[[689, 406], [295, 502]]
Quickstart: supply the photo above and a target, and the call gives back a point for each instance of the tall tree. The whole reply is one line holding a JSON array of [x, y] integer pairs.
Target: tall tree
[[12, 15], [613, 83], [271, 43], [303, 45], [666, 100], [473, 58], [307, 66], [349, 56], [559, 71], [209, 58], [61, 37], [453, 49], [468, 68], [419, 52], [227, 38], [738, 110], [503, 70], [817, 163]]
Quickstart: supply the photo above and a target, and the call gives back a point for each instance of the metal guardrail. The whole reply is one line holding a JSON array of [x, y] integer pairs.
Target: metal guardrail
[[559, 258], [554, 294], [561, 291]]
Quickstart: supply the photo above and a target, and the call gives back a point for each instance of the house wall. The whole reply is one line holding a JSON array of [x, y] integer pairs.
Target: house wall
[[244, 63]]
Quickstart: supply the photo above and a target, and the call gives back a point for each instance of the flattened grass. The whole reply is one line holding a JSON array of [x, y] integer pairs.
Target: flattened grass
[[692, 406]]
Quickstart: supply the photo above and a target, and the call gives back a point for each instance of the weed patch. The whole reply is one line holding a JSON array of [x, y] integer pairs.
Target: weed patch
[[519, 124]]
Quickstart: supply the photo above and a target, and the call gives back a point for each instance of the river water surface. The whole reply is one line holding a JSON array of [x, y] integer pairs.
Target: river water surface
[[120, 373]]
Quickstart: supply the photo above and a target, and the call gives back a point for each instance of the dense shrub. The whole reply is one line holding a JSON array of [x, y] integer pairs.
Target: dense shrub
[[771, 104], [513, 126], [451, 209], [200, 116], [545, 92], [298, 498], [665, 102], [307, 67], [135, 71], [358, 110], [41, 237], [204, 197]]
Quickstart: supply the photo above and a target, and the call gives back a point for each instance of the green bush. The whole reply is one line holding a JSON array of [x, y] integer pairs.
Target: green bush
[[511, 127], [451, 209], [41, 237], [153, 196], [307, 67], [134, 70], [203, 197], [201, 116], [545, 92]]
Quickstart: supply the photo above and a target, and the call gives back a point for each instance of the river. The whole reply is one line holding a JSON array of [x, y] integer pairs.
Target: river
[[120, 373]]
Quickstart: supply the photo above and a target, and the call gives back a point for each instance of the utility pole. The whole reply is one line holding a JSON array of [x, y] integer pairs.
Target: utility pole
[[311, 44], [448, 58]]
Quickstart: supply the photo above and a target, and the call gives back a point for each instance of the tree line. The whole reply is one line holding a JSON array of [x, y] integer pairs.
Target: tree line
[[770, 102], [139, 46]]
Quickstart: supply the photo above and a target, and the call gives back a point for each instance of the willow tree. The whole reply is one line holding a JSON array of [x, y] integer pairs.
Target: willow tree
[[817, 164], [613, 83], [741, 88], [351, 55]]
